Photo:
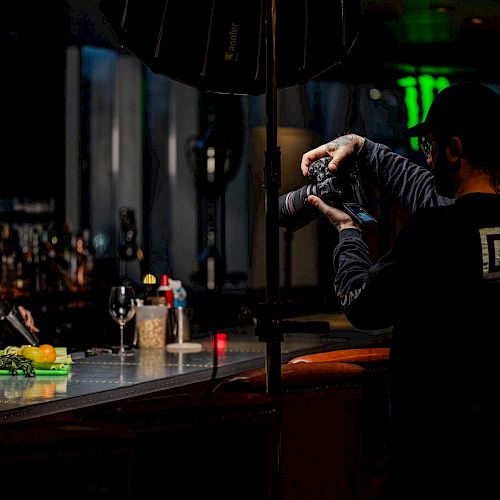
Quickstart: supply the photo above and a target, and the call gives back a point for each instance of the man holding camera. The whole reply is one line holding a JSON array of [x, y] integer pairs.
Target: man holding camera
[[439, 289]]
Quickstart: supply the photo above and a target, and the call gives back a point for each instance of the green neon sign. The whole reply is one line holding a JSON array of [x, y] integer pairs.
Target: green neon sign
[[419, 94]]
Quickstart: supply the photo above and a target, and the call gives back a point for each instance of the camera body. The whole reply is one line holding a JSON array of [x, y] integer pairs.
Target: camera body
[[339, 187], [342, 189]]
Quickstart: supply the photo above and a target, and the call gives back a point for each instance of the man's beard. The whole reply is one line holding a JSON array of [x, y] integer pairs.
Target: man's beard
[[444, 175]]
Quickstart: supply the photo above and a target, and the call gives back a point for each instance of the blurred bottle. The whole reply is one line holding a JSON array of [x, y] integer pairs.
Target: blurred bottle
[[182, 313], [161, 291], [180, 294], [131, 255], [36, 258], [150, 287], [88, 259], [165, 296]]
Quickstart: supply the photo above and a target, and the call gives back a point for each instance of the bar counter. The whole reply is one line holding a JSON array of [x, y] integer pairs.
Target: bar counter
[[108, 377]]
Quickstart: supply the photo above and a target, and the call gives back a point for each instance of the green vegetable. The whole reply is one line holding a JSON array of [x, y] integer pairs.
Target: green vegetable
[[13, 362]]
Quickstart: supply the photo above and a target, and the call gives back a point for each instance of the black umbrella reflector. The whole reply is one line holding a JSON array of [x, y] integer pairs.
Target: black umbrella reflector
[[219, 45]]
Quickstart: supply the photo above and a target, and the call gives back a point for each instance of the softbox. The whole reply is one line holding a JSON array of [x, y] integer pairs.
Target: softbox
[[219, 45]]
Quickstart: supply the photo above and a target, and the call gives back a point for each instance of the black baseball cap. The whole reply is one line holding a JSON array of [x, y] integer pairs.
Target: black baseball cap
[[467, 108]]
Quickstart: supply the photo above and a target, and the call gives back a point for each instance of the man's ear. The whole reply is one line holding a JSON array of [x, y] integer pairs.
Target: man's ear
[[454, 149]]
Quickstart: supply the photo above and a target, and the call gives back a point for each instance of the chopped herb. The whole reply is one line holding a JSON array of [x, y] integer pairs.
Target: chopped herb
[[13, 363]]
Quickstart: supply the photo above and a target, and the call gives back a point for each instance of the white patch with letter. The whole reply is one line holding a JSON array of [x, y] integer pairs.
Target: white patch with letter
[[490, 249]]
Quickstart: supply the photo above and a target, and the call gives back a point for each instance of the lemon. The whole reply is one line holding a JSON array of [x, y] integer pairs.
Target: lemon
[[33, 353]]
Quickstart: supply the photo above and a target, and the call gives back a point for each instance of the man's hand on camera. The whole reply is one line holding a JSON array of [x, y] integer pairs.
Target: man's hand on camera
[[341, 148], [337, 217]]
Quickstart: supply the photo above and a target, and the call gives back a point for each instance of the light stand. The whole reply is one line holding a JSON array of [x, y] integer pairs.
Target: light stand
[[269, 326], [229, 62], [211, 74]]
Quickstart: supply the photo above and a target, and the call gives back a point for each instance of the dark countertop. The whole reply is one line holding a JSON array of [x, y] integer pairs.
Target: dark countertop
[[105, 378]]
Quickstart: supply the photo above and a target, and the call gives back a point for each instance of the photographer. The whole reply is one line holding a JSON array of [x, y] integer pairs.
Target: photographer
[[439, 289]]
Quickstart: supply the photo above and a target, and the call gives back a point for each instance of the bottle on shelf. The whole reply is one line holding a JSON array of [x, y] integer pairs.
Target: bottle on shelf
[[165, 296], [150, 288], [36, 258], [161, 291]]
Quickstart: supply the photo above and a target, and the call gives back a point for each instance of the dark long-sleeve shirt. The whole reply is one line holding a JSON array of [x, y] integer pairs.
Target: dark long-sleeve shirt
[[439, 285], [440, 233], [439, 289]]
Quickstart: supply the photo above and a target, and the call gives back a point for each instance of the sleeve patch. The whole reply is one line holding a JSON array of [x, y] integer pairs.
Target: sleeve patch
[[490, 248]]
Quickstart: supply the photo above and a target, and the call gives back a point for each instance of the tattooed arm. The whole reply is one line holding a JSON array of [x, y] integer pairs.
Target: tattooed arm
[[341, 148], [411, 184]]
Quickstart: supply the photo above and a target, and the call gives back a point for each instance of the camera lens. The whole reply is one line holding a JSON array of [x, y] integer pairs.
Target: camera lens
[[294, 209]]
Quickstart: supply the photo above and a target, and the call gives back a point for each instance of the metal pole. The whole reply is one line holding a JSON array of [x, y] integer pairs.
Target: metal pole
[[272, 180]]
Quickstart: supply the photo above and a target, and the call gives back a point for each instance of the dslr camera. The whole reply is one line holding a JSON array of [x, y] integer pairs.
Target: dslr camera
[[342, 189]]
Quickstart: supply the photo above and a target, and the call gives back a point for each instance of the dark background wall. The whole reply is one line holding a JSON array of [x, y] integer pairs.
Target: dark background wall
[[89, 128]]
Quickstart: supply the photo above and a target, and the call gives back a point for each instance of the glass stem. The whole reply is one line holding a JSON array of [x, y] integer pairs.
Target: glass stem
[[122, 348]]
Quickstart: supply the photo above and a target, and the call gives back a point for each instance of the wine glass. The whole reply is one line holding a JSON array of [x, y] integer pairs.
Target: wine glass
[[122, 309]]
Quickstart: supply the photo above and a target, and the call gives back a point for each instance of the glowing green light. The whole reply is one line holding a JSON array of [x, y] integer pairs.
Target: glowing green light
[[425, 26], [428, 86], [426, 83], [409, 83], [405, 68], [446, 70], [441, 83]]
